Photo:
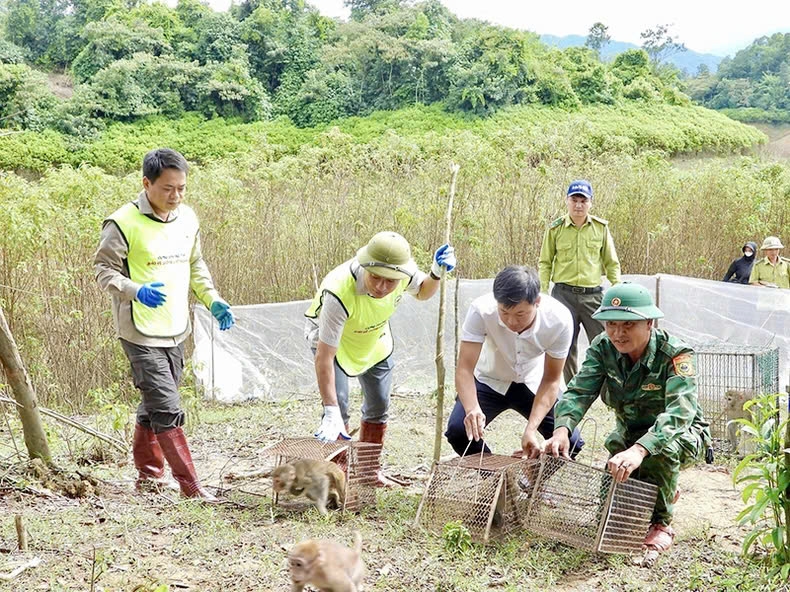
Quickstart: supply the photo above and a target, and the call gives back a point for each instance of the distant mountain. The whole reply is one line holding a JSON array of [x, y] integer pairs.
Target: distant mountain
[[685, 60]]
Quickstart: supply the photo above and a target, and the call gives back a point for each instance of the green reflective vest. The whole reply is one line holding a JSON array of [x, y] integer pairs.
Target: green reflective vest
[[366, 338], [159, 252]]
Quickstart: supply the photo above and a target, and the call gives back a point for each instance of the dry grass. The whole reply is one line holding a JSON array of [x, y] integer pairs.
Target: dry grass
[[154, 540]]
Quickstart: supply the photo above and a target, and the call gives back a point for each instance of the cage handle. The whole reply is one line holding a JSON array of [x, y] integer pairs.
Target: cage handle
[[479, 466], [595, 435]]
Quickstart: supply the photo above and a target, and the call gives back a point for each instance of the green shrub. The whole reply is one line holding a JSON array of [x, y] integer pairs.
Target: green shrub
[[25, 99], [112, 39], [10, 53]]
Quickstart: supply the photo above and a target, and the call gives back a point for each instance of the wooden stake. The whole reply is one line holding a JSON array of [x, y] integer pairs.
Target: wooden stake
[[21, 534], [440, 370]]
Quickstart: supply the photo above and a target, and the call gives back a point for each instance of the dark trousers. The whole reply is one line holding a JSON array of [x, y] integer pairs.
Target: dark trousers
[[518, 398], [582, 307], [156, 372]]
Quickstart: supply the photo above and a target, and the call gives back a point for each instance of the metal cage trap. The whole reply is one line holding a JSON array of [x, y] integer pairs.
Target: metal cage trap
[[585, 507], [359, 461], [724, 367], [486, 492]]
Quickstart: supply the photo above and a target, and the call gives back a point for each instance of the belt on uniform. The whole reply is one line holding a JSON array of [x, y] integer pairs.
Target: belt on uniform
[[580, 289]]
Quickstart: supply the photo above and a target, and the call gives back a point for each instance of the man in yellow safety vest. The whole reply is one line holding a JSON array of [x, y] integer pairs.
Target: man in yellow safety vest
[[348, 328], [148, 259]]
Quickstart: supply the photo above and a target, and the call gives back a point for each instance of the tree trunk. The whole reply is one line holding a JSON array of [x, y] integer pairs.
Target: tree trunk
[[35, 438]]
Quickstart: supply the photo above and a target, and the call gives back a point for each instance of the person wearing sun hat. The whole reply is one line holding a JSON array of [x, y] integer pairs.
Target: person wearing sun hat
[[348, 328], [771, 271], [651, 387]]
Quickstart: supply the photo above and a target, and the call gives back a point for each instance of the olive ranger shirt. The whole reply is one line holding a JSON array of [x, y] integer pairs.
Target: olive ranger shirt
[[654, 399], [112, 274], [578, 255], [765, 271]]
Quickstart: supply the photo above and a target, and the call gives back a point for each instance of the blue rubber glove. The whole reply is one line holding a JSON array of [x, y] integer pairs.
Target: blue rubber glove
[[443, 260], [150, 295], [221, 312]]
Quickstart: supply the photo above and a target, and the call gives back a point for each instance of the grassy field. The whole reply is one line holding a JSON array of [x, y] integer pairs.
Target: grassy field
[[130, 542]]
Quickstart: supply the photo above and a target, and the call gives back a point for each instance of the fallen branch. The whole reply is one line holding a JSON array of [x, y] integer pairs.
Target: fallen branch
[[120, 445], [29, 565]]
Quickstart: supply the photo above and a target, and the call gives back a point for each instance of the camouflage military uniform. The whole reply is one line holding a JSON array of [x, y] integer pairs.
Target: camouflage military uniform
[[655, 405]]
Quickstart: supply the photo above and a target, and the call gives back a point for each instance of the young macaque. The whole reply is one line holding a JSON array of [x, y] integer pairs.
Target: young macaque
[[327, 565], [734, 401], [318, 480]]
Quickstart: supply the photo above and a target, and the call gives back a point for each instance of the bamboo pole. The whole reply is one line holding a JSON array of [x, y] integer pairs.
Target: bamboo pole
[[33, 429], [440, 370]]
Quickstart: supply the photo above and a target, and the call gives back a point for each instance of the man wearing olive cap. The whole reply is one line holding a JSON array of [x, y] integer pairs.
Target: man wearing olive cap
[[772, 270], [651, 387], [348, 328]]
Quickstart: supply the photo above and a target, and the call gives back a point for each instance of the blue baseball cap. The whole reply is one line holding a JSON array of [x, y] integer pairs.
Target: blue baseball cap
[[581, 187]]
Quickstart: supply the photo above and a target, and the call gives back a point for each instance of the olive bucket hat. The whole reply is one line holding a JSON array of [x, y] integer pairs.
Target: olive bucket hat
[[388, 255], [627, 302], [772, 242]]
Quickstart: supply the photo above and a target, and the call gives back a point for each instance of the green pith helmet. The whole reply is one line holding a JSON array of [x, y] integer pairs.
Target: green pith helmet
[[772, 242], [388, 255], [627, 302]]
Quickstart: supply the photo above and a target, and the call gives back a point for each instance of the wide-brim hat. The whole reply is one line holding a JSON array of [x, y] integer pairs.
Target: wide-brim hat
[[772, 242], [388, 255], [627, 302]]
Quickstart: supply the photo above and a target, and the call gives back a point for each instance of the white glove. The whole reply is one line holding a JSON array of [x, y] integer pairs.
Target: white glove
[[331, 425]]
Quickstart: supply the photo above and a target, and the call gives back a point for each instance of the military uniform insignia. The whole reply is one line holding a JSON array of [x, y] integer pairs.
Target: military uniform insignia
[[684, 365], [651, 387], [556, 222], [616, 301]]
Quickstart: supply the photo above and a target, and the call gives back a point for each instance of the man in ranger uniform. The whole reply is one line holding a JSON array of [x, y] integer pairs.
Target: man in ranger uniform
[[576, 249], [772, 270], [348, 328], [651, 386], [148, 259]]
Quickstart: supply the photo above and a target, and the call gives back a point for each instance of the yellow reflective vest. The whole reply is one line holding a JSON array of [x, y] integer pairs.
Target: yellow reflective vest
[[159, 252], [366, 338]]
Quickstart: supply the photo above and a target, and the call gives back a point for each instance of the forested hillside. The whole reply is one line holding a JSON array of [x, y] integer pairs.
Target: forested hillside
[[129, 59], [752, 86]]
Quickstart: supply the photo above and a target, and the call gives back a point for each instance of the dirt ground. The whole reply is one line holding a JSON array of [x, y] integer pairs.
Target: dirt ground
[[125, 541]]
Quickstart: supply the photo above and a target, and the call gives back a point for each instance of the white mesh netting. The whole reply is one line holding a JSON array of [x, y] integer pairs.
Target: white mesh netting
[[266, 357]]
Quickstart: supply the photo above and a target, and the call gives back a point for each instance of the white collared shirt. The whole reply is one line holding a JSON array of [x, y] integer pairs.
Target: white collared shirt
[[509, 357]]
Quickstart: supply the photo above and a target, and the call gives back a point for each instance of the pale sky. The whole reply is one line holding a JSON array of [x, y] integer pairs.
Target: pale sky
[[705, 26]]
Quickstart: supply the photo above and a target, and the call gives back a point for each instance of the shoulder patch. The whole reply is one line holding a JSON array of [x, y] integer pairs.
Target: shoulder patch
[[556, 222], [684, 365], [601, 220]]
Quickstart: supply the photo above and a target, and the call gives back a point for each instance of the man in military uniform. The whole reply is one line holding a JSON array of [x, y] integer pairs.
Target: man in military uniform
[[576, 249], [771, 271], [651, 386], [348, 328]]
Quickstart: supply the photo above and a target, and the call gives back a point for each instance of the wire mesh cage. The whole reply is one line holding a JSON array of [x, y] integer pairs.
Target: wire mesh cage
[[585, 507], [487, 493], [359, 461], [729, 374]]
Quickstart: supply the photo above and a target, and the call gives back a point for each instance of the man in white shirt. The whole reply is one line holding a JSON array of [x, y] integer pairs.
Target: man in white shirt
[[505, 336]]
